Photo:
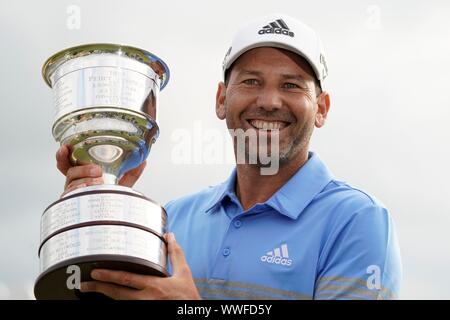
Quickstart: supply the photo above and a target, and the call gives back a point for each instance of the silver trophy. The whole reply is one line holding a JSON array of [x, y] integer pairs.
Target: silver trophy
[[105, 98]]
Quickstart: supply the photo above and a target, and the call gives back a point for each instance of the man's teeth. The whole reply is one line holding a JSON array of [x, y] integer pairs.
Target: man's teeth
[[268, 125]]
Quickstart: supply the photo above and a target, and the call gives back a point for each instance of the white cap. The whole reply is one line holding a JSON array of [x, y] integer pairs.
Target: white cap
[[279, 31]]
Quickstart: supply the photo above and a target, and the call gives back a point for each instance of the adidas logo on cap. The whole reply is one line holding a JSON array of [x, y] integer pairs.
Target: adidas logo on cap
[[278, 27], [278, 256]]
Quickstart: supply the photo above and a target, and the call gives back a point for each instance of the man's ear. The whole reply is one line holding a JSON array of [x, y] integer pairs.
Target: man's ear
[[220, 101], [323, 106]]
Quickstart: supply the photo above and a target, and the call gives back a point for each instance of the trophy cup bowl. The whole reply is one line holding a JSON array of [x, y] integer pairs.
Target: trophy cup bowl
[[105, 98]]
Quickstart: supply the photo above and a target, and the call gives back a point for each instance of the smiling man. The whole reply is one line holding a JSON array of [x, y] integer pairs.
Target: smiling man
[[297, 234]]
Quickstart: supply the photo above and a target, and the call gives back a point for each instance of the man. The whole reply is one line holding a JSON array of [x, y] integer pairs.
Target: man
[[296, 234]]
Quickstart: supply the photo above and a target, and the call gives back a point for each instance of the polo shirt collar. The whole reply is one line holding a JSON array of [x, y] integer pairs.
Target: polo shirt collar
[[300, 190], [226, 188], [293, 197]]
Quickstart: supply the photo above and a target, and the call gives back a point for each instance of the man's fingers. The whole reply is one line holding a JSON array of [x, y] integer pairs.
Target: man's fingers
[[81, 183], [176, 255], [85, 181], [130, 178], [122, 278], [83, 170], [80, 172], [62, 159], [67, 190], [110, 290]]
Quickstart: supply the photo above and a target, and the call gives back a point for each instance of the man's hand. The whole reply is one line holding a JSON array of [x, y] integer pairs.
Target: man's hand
[[129, 286], [84, 175]]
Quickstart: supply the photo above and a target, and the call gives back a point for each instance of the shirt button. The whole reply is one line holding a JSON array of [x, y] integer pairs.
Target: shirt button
[[226, 252], [238, 223]]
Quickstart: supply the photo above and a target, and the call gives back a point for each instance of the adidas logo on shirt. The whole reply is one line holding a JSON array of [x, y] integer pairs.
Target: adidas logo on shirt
[[278, 27], [278, 255]]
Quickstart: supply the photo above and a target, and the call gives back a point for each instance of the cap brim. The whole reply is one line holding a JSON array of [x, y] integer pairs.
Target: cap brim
[[273, 44]]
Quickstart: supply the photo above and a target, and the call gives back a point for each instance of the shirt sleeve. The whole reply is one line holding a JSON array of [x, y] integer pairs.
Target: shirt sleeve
[[361, 259]]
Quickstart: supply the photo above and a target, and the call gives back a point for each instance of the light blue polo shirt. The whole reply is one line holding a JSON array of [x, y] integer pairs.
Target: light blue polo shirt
[[315, 238]]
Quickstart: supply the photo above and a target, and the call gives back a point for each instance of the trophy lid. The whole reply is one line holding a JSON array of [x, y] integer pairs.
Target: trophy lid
[[56, 60]]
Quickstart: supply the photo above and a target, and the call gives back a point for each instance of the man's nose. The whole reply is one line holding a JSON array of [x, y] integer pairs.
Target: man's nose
[[269, 99]]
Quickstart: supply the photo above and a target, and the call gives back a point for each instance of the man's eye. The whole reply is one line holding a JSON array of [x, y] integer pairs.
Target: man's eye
[[291, 86], [251, 82]]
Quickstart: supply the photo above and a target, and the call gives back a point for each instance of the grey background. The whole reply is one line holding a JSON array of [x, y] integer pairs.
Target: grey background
[[387, 131]]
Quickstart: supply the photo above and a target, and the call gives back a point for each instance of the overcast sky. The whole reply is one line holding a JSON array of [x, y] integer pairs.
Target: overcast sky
[[387, 132]]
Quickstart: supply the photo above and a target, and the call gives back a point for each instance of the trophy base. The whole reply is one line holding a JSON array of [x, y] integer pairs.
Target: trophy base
[[98, 227], [52, 284]]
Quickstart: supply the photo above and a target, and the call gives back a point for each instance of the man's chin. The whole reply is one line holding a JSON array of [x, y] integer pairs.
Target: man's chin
[[266, 159]]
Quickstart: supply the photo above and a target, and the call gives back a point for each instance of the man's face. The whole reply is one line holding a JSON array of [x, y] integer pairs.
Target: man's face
[[271, 88]]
